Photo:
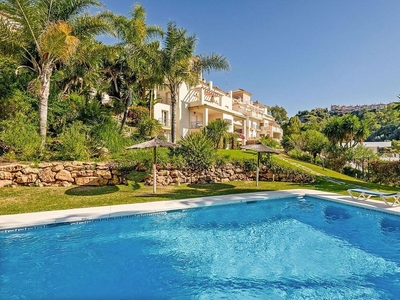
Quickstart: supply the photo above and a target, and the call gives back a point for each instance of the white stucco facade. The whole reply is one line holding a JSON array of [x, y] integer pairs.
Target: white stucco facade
[[204, 103]]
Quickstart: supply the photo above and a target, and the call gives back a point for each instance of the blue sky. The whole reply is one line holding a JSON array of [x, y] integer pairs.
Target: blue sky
[[296, 54]]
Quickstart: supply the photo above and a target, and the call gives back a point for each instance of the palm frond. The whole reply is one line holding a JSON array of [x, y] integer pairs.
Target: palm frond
[[213, 62], [65, 10], [58, 42], [88, 26], [24, 17]]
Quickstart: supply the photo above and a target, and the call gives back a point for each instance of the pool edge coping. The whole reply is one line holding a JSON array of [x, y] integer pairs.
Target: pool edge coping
[[52, 218]]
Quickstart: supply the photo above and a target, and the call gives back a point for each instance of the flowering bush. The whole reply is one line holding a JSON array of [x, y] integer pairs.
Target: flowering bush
[[385, 172], [137, 114]]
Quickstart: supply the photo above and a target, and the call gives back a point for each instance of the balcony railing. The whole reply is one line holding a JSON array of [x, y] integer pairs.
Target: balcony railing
[[165, 122], [197, 124], [165, 101]]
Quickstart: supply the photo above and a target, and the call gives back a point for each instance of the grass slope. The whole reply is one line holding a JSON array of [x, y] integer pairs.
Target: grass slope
[[31, 199]]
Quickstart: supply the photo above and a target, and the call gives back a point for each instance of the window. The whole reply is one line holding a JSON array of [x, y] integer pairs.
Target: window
[[164, 118]]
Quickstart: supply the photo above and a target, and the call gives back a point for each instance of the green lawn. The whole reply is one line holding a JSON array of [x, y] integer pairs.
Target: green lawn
[[32, 199]]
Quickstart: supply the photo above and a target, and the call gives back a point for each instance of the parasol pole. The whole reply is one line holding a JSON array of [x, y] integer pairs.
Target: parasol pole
[[154, 170], [258, 167]]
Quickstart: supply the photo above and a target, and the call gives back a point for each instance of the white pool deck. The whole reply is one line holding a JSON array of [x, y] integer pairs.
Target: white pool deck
[[28, 220]]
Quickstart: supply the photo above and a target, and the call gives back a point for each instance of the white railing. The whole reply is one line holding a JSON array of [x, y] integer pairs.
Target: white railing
[[197, 124]]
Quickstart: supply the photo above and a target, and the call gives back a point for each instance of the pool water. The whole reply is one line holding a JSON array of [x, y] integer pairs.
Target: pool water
[[276, 249]]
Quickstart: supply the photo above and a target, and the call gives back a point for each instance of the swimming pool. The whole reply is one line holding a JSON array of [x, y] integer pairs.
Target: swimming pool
[[293, 248]]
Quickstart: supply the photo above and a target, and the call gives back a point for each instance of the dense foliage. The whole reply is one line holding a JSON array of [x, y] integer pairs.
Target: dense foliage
[[65, 95], [384, 172]]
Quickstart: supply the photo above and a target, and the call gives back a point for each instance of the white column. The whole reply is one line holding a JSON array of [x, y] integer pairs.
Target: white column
[[201, 95], [205, 116], [245, 131]]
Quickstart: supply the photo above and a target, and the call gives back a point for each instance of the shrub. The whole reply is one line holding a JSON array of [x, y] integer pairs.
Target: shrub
[[215, 131], [270, 142], [385, 172], [197, 150], [137, 114], [20, 134], [249, 164], [92, 112], [352, 172], [148, 127], [17, 103], [300, 155], [74, 142], [177, 161], [222, 159], [107, 134]]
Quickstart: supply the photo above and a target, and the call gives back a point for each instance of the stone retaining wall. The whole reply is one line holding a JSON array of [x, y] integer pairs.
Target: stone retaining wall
[[225, 173], [97, 174], [59, 174]]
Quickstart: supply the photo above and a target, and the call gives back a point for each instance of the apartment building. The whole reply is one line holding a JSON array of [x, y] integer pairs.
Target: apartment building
[[198, 106], [259, 122], [343, 109]]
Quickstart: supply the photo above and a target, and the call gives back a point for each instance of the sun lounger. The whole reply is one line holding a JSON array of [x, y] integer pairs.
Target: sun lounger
[[366, 194]]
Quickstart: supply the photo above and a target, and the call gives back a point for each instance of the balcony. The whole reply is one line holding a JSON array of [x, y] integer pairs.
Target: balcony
[[165, 122], [164, 100], [197, 124]]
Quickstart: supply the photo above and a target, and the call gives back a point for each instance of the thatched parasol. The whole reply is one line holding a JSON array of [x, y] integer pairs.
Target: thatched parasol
[[259, 148], [153, 143]]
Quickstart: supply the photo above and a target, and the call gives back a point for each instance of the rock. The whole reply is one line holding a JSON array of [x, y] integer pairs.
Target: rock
[[64, 175], [6, 175], [102, 152], [68, 164], [5, 183], [12, 168], [65, 183], [29, 170], [26, 179], [57, 168], [115, 172], [102, 166], [95, 181], [163, 173], [104, 173], [89, 165], [45, 165], [114, 180], [87, 173], [38, 183], [46, 175]]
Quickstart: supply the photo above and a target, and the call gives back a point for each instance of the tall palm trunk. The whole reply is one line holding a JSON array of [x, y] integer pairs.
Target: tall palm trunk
[[128, 103], [43, 101], [173, 114]]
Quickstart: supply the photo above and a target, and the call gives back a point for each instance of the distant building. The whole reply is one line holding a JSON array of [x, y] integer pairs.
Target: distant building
[[375, 146], [343, 109]]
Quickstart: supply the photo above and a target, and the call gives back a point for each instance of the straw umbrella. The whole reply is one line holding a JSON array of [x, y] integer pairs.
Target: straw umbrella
[[259, 148], [153, 143]]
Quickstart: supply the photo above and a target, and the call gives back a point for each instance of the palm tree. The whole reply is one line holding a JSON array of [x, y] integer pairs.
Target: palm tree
[[178, 65], [135, 71], [334, 131], [46, 33], [215, 131]]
